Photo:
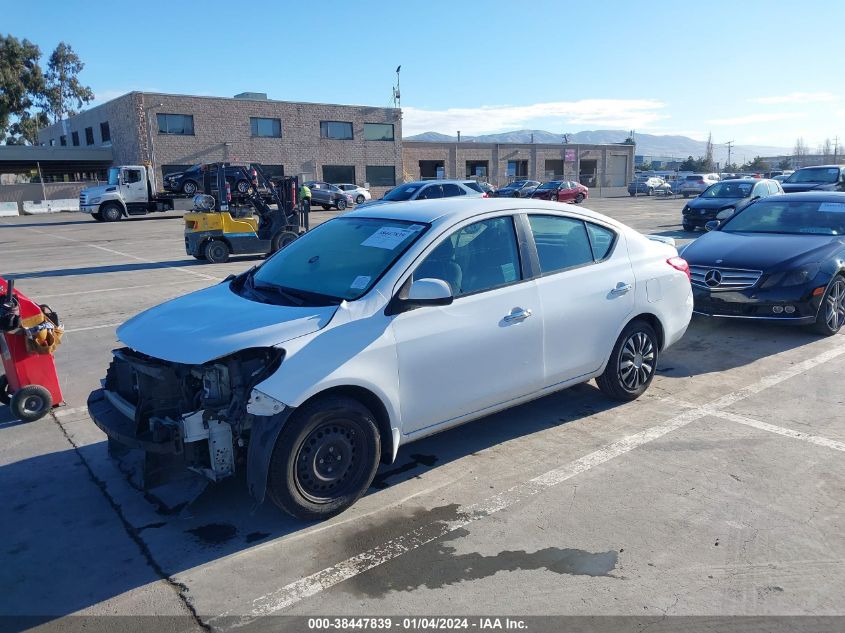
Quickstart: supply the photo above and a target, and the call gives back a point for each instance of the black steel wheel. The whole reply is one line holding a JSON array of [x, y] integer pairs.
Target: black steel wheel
[[189, 187], [216, 251], [831, 316], [31, 403], [111, 212], [4, 390], [632, 363], [324, 459]]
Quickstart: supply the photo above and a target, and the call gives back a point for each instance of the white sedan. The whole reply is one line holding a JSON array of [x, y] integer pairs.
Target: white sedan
[[359, 194], [386, 325]]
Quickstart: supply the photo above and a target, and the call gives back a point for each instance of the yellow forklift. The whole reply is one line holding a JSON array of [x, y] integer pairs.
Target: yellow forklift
[[261, 221]]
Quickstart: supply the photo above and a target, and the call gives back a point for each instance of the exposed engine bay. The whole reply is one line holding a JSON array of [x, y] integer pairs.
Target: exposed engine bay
[[196, 412]]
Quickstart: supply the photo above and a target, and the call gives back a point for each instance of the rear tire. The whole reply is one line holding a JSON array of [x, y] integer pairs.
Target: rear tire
[[31, 403], [5, 397], [831, 316], [579, 198], [216, 252], [326, 207], [685, 194], [325, 458], [111, 213], [341, 204], [242, 186], [632, 363], [359, 199], [650, 191]]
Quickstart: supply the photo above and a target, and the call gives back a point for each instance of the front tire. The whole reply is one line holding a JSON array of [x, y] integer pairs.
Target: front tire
[[632, 363], [325, 458], [111, 213], [31, 403], [579, 198], [326, 207], [216, 251], [685, 194], [831, 316], [280, 240], [242, 186], [189, 187], [650, 191]]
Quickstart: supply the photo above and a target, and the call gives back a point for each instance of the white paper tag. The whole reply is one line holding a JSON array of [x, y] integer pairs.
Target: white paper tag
[[387, 237], [832, 207], [509, 272], [416, 227], [360, 282]]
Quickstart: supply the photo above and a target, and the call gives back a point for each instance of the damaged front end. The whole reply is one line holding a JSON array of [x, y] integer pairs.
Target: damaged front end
[[191, 417]]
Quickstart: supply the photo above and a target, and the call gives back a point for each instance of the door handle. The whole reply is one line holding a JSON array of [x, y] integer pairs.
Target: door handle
[[518, 314], [621, 288]]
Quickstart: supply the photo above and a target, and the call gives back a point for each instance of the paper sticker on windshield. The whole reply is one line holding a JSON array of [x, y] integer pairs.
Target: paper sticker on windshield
[[416, 227], [387, 237], [361, 282], [832, 207]]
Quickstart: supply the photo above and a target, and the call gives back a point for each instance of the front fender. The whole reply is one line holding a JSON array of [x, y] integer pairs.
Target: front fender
[[262, 440]]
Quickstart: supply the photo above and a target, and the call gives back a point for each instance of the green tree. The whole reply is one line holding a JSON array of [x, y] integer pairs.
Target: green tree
[[690, 164], [758, 164], [645, 167], [25, 130], [785, 163], [64, 92], [21, 80]]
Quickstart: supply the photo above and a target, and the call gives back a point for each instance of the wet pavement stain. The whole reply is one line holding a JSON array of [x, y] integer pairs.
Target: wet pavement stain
[[380, 480], [444, 567], [214, 533], [252, 537]]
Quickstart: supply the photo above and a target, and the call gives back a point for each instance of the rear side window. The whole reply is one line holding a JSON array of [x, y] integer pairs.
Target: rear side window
[[773, 188], [601, 239], [474, 186], [432, 191], [450, 190], [561, 242]]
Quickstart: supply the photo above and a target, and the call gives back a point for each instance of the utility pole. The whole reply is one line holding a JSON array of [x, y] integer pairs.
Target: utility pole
[[729, 144], [397, 97], [835, 149]]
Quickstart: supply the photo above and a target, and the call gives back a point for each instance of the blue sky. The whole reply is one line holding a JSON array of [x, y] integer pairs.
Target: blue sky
[[757, 72]]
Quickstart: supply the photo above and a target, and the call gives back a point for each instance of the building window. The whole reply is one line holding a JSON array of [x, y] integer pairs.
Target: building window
[[265, 127], [341, 130], [52, 142], [378, 131], [74, 138], [273, 172], [518, 169], [63, 140], [105, 132], [336, 174], [89, 136], [182, 124], [381, 176]]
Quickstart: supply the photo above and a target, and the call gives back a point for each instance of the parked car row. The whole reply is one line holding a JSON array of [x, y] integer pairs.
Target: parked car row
[[561, 191]]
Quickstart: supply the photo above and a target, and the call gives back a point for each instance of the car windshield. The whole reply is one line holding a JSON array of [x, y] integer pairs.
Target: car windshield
[[340, 259], [550, 185], [114, 175], [402, 192], [790, 217], [729, 189], [695, 178], [815, 174]]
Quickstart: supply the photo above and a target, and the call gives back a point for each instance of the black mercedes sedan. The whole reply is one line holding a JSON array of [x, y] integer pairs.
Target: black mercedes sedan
[[722, 199], [781, 258], [819, 178], [518, 189]]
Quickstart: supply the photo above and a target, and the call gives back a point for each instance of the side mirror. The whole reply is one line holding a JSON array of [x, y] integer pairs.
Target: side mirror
[[712, 225], [422, 292]]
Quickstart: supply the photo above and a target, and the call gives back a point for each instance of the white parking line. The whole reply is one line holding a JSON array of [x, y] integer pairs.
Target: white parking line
[[121, 253], [118, 289], [93, 327], [313, 584]]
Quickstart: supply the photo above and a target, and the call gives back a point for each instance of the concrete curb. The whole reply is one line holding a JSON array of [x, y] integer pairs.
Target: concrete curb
[[49, 206], [9, 210]]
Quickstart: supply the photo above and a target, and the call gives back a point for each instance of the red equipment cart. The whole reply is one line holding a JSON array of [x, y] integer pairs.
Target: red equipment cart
[[29, 333]]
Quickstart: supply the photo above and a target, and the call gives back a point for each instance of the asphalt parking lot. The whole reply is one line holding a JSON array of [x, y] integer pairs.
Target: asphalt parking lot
[[720, 492]]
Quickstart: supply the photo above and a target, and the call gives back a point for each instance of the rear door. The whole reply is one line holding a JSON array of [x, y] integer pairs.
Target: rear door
[[586, 292]]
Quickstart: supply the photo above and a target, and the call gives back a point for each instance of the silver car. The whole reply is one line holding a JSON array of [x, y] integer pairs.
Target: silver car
[[696, 184], [429, 190]]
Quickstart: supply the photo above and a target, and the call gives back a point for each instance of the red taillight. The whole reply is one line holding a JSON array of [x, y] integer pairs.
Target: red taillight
[[679, 263], [485, 195]]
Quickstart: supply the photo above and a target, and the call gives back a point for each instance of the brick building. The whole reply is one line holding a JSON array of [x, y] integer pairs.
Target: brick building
[[608, 168], [337, 143]]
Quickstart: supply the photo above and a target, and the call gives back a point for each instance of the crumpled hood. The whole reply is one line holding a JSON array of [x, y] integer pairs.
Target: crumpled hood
[[215, 322]]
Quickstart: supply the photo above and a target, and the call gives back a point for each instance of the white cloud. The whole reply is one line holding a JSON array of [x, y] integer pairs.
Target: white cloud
[[758, 118], [615, 113], [798, 97]]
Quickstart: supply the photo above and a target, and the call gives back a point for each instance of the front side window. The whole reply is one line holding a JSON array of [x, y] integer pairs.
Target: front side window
[[340, 259], [378, 131], [132, 175], [265, 127], [475, 258], [180, 124], [339, 130], [561, 242]]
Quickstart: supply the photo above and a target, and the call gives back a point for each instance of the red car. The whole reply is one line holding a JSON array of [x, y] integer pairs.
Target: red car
[[562, 191]]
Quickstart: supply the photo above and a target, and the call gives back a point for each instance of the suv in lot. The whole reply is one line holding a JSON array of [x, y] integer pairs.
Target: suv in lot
[[328, 196], [696, 184], [189, 181], [429, 190], [359, 194], [821, 178]]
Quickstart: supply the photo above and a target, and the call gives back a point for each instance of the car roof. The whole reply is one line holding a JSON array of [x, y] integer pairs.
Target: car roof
[[437, 181], [821, 167], [810, 196], [455, 209]]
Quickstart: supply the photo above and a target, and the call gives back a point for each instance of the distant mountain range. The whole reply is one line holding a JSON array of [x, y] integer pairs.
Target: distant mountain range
[[647, 144]]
